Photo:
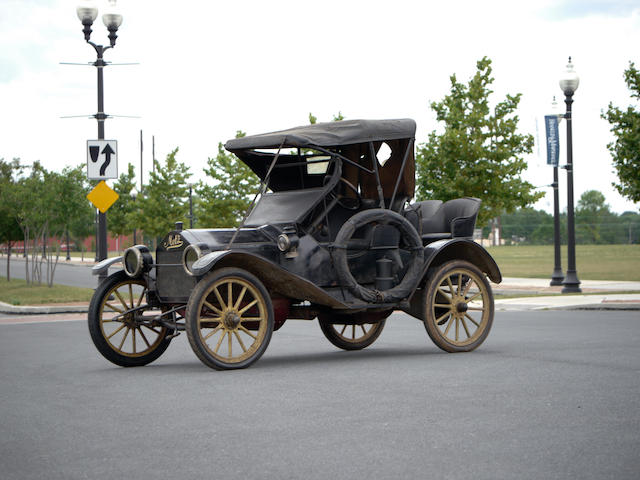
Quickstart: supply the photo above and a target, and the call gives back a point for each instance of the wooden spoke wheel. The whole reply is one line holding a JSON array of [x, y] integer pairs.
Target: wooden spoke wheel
[[354, 333], [459, 307], [229, 319], [121, 325]]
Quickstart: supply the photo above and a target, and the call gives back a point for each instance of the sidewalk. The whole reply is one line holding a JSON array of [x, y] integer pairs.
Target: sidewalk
[[521, 293], [537, 294]]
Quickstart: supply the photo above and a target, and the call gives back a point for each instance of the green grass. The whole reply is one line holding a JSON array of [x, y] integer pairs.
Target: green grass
[[593, 262], [17, 292]]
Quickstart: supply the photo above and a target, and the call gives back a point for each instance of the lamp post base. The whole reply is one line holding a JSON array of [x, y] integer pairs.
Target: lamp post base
[[557, 277], [571, 283]]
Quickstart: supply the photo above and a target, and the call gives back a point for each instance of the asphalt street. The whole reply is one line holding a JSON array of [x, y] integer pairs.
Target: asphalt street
[[69, 274], [551, 394]]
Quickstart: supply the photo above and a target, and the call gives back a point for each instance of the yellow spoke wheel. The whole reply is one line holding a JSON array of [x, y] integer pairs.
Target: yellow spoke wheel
[[118, 322], [352, 332], [459, 307], [229, 319]]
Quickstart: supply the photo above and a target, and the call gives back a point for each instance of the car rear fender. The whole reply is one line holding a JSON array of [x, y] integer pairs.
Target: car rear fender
[[275, 278], [442, 251]]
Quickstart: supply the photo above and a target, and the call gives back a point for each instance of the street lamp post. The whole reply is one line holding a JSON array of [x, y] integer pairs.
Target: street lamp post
[[134, 195], [569, 82], [557, 276], [87, 12], [190, 205]]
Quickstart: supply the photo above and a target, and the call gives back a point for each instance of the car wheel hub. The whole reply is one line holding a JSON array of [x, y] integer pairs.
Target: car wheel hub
[[231, 320], [462, 307]]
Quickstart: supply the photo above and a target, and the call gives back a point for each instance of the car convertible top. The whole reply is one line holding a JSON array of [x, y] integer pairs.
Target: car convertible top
[[328, 134]]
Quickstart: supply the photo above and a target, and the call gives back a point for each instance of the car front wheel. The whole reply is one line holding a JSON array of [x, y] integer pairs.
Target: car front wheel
[[229, 319]]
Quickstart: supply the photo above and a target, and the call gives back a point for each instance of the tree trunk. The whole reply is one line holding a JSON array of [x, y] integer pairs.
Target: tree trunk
[[25, 231], [8, 260]]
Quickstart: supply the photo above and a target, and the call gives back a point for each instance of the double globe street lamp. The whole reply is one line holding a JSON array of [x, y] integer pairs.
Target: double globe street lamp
[[87, 13], [569, 82]]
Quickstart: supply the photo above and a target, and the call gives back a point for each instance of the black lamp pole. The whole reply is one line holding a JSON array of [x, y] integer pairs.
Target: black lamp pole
[[134, 195], [569, 83], [87, 13], [557, 276], [190, 206]]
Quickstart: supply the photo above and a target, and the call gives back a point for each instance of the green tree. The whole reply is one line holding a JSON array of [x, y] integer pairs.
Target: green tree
[[593, 218], [527, 225], [120, 213], [336, 118], [224, 202], [69, 189], [625, 150], [480, 153], [9, 227], [630, 222], [48, 202], [44, 205], [83, 226], [31, 209], [163, 202]]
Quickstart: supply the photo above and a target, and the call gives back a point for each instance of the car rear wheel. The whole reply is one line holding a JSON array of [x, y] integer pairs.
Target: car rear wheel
[[352, 332], [459, 307], [229, 319], [121, 322]]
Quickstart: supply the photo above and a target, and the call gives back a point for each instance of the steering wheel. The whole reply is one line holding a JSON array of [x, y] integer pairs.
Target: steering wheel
[[349, 203]]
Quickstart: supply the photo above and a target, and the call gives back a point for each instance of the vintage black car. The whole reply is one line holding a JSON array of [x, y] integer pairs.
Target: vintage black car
[[331, 235]]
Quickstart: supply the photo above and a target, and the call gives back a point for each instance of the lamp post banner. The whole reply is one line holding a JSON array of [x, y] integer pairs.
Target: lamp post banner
[[553, 139]]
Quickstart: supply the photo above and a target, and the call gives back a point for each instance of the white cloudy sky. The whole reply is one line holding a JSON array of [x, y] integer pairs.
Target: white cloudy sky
[[209, 68]]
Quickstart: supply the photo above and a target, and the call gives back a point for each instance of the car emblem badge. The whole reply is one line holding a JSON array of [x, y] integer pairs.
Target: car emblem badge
[[173, 241]]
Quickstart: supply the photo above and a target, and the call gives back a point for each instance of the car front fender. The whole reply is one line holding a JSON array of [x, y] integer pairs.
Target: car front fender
[[104, 265], [273, 276]]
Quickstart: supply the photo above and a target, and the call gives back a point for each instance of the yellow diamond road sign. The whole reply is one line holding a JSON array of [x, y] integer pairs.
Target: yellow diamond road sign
[[102, 196]]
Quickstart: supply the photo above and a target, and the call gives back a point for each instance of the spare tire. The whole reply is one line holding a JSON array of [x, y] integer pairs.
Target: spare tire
[[408, 234]]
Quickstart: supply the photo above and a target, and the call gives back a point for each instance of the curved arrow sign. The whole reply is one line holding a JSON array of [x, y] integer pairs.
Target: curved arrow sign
[[102, 159]]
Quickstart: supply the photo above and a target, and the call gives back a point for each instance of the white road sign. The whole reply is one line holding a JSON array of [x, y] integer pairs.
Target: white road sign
[[102, 159]]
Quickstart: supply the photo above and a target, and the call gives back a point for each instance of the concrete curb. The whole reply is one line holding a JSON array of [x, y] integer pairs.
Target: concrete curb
[[42, 310], [603, 306], [55, 309]]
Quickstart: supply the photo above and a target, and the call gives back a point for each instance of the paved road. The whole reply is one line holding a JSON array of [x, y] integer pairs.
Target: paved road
[[70, 274], [549, 395]]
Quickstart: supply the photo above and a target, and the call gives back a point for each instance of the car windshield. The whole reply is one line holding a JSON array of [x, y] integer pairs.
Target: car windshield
[[295, 169]]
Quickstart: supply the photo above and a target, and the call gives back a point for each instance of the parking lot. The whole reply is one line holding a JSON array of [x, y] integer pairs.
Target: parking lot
[[551, 394]]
